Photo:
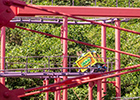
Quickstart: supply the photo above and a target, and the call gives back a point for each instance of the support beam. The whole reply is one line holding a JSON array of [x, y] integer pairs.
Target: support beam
[[103, 44], [80, 11], [90, 90], [56, 92], [99, 90], [117, 56], [65, 31], [46, 82], [3, 52], [57, 95]]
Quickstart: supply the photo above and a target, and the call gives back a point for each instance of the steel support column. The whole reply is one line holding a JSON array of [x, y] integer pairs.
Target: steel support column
[[103, 44], [99, 89], [90, 90], [46, 82], [117, 56], [56, 92], [65, 31], [3, 52]]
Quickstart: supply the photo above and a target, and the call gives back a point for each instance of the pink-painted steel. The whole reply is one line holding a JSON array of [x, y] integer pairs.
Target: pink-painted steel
[[6, 13], [122, 52], [103, 44], [99, 90], [3, 52], [56, 92], [81, 11], [65, 46], [117, 56], [90, 90], [82, 82], [46, 82], [127, 13], [90, 77], [6, 94], [75, 17], [68, 81], [109, 76]]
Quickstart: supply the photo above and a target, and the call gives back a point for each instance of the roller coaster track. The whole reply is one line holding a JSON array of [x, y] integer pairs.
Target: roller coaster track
[[47, 68], [60, 21], [68, 83], [72, 82]]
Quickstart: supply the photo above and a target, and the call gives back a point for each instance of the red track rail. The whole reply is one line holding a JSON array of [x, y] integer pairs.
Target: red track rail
[[69, 83]]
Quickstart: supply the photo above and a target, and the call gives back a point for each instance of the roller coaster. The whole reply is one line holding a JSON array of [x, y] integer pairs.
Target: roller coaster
[[85, 72]]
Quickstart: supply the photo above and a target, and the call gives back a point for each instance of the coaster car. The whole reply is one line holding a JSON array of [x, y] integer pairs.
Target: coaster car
[[92, 61]]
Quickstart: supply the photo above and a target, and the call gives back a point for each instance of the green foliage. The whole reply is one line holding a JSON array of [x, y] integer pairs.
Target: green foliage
[[81, 92], [25, 43]]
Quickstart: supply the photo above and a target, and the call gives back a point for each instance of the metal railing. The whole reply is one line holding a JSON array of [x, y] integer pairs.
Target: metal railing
[[48, 64], [60, 21]]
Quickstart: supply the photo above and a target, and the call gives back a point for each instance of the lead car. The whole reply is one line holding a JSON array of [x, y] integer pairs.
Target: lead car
[[91, 61]]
